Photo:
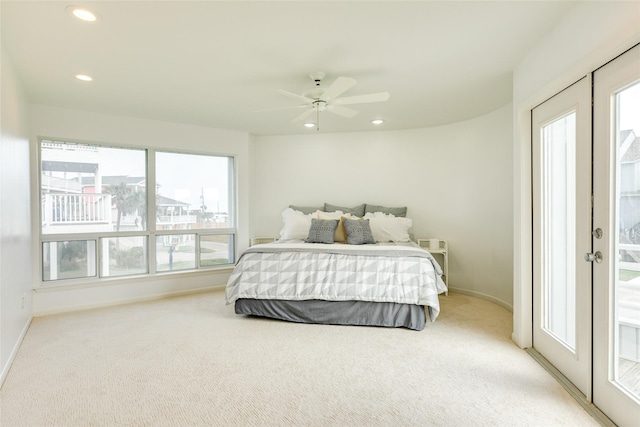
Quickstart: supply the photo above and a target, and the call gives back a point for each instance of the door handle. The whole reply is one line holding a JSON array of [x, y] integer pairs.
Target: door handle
[[597, 257]]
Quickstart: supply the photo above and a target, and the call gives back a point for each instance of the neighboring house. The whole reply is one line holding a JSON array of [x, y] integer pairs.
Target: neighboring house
[[130, 220], [70, 177], [65, 203], [629, 153], [174, 215]]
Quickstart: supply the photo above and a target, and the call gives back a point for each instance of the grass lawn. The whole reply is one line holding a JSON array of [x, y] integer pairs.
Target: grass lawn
[[626, 275]]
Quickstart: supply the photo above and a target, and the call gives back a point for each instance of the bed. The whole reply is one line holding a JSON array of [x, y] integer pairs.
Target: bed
[[336, 267]]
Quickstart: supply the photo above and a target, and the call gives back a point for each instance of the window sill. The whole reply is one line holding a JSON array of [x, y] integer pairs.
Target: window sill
[[86, 283]]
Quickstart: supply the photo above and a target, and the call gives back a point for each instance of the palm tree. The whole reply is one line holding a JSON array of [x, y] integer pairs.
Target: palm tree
[[138, 200], [122, 196]]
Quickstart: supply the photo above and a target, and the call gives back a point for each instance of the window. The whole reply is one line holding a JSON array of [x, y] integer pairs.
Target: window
[[98, 220]]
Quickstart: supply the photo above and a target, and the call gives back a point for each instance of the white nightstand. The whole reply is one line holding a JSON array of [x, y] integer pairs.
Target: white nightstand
[[438, 247], [261, 240]]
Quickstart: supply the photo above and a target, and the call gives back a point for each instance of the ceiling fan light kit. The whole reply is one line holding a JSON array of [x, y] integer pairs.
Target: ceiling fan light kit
[[82, 13], [320, 99]]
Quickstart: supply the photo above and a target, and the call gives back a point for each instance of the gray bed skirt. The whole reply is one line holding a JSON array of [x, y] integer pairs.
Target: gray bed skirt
[[362, 313]]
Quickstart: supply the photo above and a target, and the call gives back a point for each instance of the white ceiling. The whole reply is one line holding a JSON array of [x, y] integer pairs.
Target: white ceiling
[[214, 63]]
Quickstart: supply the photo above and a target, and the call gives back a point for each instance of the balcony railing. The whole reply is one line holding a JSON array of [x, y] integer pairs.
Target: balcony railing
[[68, 209], [52, 183], [176, 219]]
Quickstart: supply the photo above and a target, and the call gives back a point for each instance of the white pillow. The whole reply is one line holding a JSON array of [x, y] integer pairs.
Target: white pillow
[[296, 224], [331, 215], [389, 228]]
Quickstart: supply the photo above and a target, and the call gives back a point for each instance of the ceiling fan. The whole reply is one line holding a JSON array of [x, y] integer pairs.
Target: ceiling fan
[[320, 98]]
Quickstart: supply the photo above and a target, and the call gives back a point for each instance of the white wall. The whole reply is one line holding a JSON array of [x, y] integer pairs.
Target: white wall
[[590, 35], [15, 223], [454, 179], [126, 131]]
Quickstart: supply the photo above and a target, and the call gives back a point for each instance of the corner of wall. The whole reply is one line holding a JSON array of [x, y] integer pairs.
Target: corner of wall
[[4, 369]]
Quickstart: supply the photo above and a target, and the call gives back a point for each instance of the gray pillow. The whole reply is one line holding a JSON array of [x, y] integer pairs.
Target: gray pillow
[[322, 230], [358, 231], [356, 210], [400, 212], [305, 209]]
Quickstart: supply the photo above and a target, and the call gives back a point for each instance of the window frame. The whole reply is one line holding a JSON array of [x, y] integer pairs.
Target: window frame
[[150, 233]]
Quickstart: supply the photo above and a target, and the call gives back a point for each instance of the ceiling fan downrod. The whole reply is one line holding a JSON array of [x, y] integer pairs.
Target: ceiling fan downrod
[[319, 106]]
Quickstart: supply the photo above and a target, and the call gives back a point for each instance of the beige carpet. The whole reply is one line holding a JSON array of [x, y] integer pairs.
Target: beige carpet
[[190, 361]]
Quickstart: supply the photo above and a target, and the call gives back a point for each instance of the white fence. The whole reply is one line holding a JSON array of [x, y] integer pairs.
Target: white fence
[[176, 219], [69, 209], [633, 251]]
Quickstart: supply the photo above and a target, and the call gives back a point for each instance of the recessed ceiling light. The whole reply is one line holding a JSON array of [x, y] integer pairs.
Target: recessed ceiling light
[[309, 125], [377, 121], [82, 13], [84, 77]]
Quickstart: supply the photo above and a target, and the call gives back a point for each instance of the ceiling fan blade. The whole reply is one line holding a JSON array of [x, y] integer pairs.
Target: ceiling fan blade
[[338, 87], [281, 108], [342, 111], [304, 115], [296, 96], [361, 99]]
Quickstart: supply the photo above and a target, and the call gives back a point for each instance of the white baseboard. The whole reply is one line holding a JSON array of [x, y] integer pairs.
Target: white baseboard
[[87, 296], [483, 296], [14, 352], [128, 300]]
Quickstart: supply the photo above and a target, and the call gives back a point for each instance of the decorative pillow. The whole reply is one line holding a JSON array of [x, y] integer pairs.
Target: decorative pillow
[[388, 228], [322, 230], [306, 209], [356, 210], [358, 231], [339, 235], [399, 212], [296, 224]]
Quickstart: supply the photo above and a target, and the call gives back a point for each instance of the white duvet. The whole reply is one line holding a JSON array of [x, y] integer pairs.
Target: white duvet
[[338, 272]]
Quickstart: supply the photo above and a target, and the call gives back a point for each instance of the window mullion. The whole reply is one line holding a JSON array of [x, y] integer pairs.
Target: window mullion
[[151, 209]]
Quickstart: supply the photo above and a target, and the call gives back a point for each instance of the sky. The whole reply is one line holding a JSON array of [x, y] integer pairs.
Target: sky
[[630, 109], [183, 177]]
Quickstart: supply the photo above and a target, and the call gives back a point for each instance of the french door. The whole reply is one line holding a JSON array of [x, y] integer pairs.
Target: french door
[[561, 142], [586, 235], [616, 195]]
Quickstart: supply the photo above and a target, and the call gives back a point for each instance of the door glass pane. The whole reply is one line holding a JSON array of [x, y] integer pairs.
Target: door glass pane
[[627, 263], [558, 229]]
